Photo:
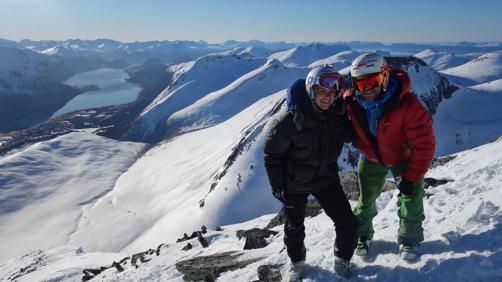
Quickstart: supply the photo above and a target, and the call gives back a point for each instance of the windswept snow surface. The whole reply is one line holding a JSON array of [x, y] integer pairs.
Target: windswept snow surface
[[463, 238], [44, 188]]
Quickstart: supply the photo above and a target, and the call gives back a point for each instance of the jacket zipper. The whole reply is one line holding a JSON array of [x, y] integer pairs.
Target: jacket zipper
[[323, 125]]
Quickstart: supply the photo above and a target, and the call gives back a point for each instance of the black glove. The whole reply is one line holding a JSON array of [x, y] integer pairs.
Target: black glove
[[280, 195], [406, 187]]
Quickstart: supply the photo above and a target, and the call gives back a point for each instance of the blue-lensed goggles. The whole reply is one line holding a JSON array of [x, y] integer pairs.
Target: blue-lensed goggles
[[331, 81]]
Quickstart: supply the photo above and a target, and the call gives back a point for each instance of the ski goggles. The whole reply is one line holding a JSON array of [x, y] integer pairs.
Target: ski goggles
[[331, 81], [368, 81]]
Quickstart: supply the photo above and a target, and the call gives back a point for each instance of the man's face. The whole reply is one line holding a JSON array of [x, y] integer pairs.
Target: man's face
[[372, 93], [324, 97], [369, 86]]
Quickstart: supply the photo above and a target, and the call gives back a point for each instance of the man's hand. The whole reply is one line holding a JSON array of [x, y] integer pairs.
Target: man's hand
[[406, 187], [346, 93]]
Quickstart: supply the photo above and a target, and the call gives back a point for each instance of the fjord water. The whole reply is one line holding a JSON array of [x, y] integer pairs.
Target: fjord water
[[114, 90]]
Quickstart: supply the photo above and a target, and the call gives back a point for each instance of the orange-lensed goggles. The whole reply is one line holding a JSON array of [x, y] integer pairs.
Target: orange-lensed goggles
[[369, 81]]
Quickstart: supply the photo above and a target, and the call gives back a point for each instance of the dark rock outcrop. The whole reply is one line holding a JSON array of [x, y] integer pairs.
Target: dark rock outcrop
[[432, 182], [187, 247], [441, 161], [255, 238], [195, 234], [269, 273], [208, 268], [143, 257]]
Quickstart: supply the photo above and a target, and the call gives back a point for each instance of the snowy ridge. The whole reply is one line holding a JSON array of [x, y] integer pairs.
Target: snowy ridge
[[303, 56], [339, 61], [428, 84], [485, 68], [463, 240], [442, 60], [490, 86], [72, 53], [221, 105], [191, 82], [21, 70], [257, 52]]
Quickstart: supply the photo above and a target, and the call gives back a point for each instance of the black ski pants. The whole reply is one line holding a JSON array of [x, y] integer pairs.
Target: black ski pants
[[336, 206]]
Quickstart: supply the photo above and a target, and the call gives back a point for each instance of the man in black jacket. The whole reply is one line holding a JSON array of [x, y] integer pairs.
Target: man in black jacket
[[301, 158]]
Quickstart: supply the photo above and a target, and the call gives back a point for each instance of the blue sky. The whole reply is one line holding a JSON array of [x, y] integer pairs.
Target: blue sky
[[269, 20]]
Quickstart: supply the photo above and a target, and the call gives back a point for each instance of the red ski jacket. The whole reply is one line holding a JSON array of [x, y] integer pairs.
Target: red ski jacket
[[404, 132]]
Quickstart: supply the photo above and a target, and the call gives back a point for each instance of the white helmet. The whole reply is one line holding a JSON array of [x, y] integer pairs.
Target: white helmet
[[368, 63], [325, 76]]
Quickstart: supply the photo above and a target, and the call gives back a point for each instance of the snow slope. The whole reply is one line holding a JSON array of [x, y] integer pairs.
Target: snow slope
[[45, 187], [442, 60], [485, 68], [191, 82], [463, 239], [191, 180]]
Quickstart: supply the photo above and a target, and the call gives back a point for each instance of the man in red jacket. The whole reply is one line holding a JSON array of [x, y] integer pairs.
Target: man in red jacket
[[394, 132]]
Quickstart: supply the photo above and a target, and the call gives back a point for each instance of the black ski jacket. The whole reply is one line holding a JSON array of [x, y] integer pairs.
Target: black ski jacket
[[302, 149]]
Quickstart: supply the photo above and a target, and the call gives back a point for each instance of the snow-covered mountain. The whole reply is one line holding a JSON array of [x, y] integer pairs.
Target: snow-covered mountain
[[429, 85], [104, 199], [413, 48], [224, 103], [72, 53], [303, 56], [23, 71], [191, 82], [462, 239], [39, 45], [257, 52], [273, 46], [339, 61], [485, 68], [98, 45], [31, 88], [442, 60], [171, 52], [8, 43]]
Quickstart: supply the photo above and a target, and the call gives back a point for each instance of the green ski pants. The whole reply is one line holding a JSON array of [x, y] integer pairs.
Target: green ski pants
[[411, 208]]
